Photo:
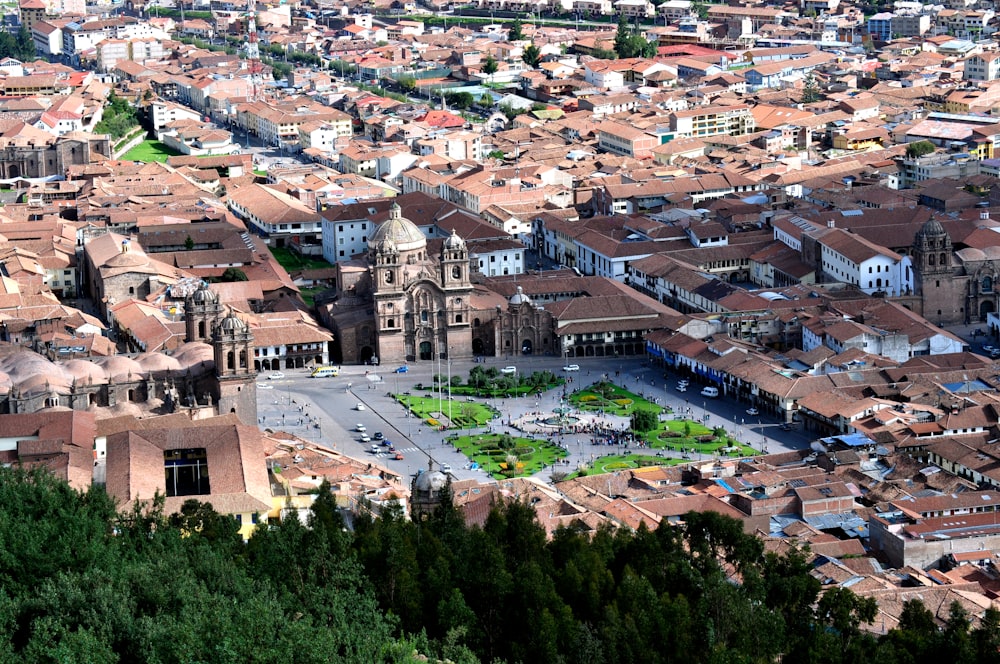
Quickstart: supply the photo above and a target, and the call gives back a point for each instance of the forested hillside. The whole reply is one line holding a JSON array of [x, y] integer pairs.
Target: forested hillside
[[80, 583]]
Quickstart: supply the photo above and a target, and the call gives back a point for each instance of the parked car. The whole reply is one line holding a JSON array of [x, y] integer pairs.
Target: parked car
[[375, 449], [361, 428], [264, 386], [571, 367], [989, 349], [787, 427], [753, 411], [710, 392], [378, 435], [445, 468], [277, 375], [359, 406], [509, 370], [683, 382], [365, 438], [399, 456], [682, 388], [402, 369]]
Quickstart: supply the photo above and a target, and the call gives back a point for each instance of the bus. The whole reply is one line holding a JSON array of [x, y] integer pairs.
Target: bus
[[325, 372]]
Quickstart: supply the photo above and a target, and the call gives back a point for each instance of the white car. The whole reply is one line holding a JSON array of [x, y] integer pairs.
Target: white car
[[753, 411], [360, 428], [445, 468], [509, 370], [264, 386], [365, 438], [359, 406], [571, 367], [681, 387], [277, 375]]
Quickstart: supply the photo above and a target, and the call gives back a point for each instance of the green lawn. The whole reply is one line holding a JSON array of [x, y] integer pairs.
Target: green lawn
[[491, 452], [490, 382], [292, 261], [308, 294], [610, 398], [675, 435], [463, 414], [613, 462], [150, 150]]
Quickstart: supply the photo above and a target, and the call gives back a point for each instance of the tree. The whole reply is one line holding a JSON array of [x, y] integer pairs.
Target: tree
[[810, 90], [234, 274], [490, 66], [919, 149], [462, 100], [532, 55], [496, 154], [486, 101], [515, 33], [628, 44], [644, 420], [189, 243], [407, 83], [25, 44], [622, 35]]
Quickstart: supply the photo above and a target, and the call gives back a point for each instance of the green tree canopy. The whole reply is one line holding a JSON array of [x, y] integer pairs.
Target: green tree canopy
[[490, 65], [515, 33], [919, 149], [531, 55]]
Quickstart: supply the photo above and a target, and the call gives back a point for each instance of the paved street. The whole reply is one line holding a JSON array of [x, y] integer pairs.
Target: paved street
[[325, 409]]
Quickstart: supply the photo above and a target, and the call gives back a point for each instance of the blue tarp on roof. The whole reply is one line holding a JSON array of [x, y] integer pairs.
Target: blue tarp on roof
[[851, 440]]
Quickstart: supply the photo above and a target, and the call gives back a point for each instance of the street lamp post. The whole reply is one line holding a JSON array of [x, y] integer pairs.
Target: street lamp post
[[449, 387]]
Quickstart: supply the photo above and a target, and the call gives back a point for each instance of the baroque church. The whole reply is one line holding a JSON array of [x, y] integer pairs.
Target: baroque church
[[414, 299], [956, 287], [404, 302], [211, 374]]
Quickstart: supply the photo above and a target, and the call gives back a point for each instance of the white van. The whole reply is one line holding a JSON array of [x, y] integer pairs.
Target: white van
[[325, 372], [710, 392]]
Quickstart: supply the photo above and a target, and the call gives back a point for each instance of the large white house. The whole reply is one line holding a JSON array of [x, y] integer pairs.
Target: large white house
[[849, 258]]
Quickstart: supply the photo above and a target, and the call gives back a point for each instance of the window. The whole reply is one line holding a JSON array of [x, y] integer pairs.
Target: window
[[987, 285], [458, 318], [186, 472], [391, 322], [493, 259], [423, 316], [943, 260]]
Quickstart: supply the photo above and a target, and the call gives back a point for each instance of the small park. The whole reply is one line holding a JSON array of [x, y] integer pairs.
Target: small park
[[657, 428], [503, 455]]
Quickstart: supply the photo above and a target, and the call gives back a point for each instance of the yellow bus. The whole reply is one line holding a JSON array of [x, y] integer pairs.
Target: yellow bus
[[325, 372]]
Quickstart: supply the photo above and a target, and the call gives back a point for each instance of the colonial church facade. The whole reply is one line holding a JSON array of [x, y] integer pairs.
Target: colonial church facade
[[956, 287], [419, 301]]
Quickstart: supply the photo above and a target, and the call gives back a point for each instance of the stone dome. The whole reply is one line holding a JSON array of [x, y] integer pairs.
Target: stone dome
[[430, 481], [45, 383], [30, 366], [120, 368], [402, 232], [195, 353], [127, 259], [204, 296], [158, 362], [931, 228], [232, 324], [519, 297], [453, 242], [86, 373]]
